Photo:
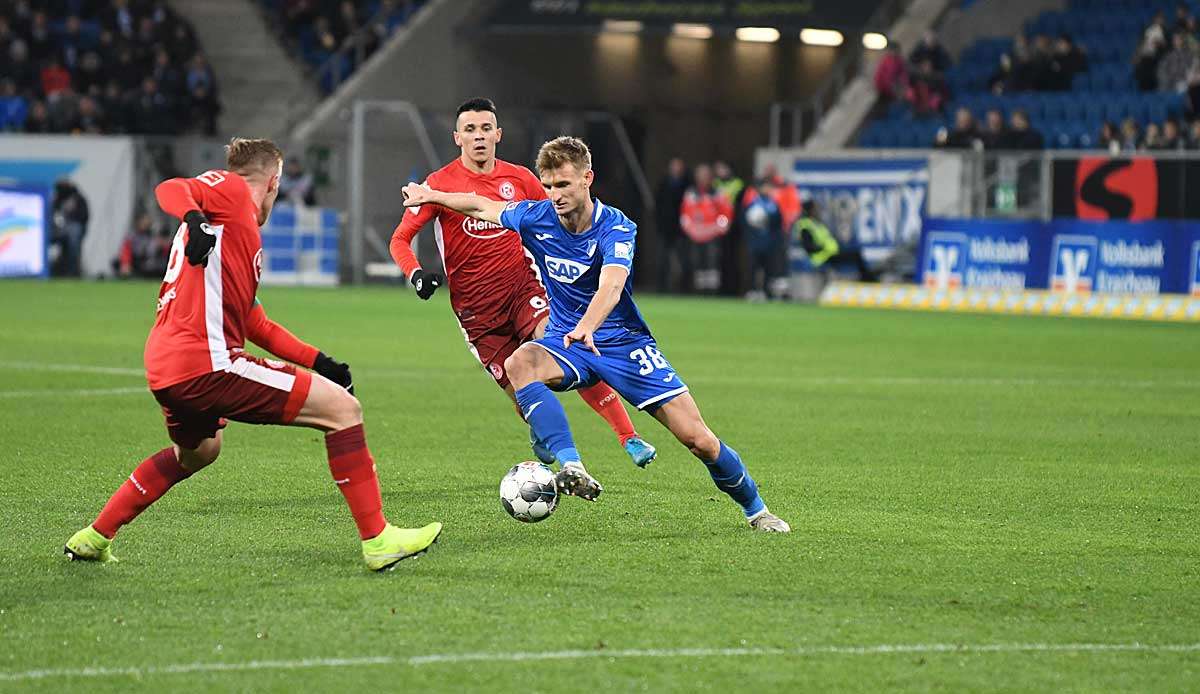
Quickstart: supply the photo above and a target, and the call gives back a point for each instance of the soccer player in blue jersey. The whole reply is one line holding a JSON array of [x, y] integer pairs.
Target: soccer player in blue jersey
[[585, 251]]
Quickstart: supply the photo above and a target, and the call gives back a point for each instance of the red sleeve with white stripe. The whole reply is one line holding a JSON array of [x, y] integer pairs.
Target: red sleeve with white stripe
[[277, 339], [415, 218], [178, 196]]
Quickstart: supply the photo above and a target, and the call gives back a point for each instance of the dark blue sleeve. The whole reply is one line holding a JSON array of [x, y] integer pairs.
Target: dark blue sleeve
[[518, 216]]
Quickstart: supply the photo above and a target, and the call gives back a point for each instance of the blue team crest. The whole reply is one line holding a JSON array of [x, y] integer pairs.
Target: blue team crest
[[1194, 283], [945, 260], [1073, 261], [565, 270]]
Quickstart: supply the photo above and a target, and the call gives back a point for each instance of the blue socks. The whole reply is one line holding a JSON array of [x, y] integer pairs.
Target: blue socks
[[731, 477], [546, 416]]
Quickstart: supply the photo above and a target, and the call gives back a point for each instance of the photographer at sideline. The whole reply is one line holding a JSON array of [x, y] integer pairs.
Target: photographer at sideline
[[69, 220]]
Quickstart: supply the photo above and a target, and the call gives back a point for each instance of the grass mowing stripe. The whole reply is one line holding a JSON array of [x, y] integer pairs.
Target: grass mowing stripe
[[81, 392], [451, 658], [78, 368]]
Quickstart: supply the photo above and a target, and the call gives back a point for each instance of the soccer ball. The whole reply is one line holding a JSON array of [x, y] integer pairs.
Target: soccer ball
[[528, 492]]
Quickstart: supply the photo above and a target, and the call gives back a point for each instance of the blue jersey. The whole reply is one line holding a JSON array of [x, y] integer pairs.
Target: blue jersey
[[570, 265]]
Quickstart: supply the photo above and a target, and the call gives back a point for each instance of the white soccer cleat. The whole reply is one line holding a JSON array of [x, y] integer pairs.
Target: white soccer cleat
[[767, 522], [574, 480]]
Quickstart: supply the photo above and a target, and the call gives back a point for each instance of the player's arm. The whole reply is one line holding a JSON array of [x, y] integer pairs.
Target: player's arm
[[185, 198], [612, 282], [279, 341], [415, 218], [470, 204]]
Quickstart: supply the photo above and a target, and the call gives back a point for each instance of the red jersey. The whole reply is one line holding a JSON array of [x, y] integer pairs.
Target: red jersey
[[704, 215], [482, 260], [206, 312]]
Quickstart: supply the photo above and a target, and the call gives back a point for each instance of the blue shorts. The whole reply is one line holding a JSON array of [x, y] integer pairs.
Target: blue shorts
[[634, 368]]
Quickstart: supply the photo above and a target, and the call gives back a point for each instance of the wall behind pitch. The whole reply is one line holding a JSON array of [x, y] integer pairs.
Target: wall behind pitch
[[102, 168]]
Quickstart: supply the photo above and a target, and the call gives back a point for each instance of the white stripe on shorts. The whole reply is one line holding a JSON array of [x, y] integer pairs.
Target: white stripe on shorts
[[578, 378], [661, 396], [258, 373]]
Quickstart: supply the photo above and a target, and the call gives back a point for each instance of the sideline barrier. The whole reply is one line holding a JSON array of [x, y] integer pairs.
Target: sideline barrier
[[1166, 307]]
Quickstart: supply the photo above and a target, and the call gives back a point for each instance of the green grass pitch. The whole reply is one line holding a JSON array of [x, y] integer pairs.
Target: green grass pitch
[[978, 503]]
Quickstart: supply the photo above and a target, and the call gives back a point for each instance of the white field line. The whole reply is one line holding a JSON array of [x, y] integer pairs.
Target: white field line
[[77, 368], [76, 393], [1002, 382], [533, 656]]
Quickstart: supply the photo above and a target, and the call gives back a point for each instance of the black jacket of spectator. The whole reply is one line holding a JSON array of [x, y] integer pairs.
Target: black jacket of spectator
[[1027, 138]]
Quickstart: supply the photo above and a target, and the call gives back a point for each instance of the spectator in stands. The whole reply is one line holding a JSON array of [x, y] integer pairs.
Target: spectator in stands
[[69, 223], [74, 43], [1183, 19], [1069, 60], [1172, 138], [1151, 49], [119, 19], [89, 119], [965, 134], [54, 78], [1109, 138], [927, 91], [296, 185], [929, 49], [144, 251], [202, 88], [64, 109], [1194, 135], [7, 36], [391, 16], [42, 44], [891, 75], [13, 107], [19, 68], [115, 107], [1174, 67], [1042, 67], [1021, 135], [995, 132], [38, 120], [150, 110], [169, 78], [1131, 137], [667, 204], [90, 73], [705, 216], [126, 70], [733, 188], [1152, 137]]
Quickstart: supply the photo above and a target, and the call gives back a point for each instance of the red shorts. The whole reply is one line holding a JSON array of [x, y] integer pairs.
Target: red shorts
[[252, 390], [493, 335]]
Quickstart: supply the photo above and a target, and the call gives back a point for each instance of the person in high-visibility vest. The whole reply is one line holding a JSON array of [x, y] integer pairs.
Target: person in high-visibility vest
[[822, 246]]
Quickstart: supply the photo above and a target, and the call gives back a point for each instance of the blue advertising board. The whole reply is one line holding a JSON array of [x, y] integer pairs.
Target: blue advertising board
[[24, 220], [874, 204], [1066, 256], [980, 254]]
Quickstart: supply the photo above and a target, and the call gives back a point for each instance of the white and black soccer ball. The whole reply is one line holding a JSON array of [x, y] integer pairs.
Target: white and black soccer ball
[[528, 492]]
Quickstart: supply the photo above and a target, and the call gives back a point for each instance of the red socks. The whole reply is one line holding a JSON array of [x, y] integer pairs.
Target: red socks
[[145, 485], [354, 473], [605, 401]]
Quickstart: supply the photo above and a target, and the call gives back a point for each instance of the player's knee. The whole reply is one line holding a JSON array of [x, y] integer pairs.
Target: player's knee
[[519, 367], [202, 455], [703, 444], [347, 411]]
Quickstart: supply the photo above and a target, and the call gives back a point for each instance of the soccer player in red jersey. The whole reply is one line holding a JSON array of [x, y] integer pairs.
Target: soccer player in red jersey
[[495, 291], [199, 372]]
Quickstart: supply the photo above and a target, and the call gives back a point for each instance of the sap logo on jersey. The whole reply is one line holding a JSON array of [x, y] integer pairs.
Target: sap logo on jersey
[[945, 258], [565, 270], [1194, 284], [1073, 263]]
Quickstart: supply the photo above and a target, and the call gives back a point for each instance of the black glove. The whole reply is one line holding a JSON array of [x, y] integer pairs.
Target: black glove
[[201, 238], [336, 371], [426, 283]]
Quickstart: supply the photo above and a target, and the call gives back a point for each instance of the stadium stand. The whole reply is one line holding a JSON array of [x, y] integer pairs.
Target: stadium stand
[[121, 66], [333, 38], [1103, 73]]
